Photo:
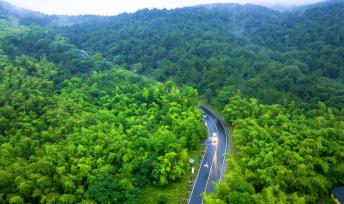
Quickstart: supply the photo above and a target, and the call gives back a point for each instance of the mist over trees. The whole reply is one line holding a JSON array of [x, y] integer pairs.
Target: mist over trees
[[263, 53], [93, 109]]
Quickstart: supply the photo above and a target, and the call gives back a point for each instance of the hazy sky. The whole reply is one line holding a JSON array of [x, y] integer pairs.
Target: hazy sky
[[110, 7]]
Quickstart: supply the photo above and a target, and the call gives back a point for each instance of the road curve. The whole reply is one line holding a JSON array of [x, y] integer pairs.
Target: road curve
[[213, 162]]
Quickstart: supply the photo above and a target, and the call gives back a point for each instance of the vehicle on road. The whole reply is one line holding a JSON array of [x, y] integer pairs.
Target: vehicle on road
[[216, 146], [214, 138]]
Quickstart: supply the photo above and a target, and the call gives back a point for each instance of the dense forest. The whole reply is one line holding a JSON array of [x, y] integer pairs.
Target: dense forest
[[273, 56], [94, 108], [76, 129], [284, 154]]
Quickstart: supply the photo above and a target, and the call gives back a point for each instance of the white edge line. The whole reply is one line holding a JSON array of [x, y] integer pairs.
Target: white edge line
[[206, 185], [199, 169], [212, 161], [217, 131], [224, 158], [226, 134]]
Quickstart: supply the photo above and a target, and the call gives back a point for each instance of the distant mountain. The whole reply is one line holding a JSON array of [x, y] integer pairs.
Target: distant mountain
[[27, 17], [10, 9], [24, 16], [75, 127], [323, 3], [239, 43], [215, 46]]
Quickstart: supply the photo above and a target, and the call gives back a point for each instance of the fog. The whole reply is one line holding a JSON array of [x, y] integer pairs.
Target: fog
[[111, 7]]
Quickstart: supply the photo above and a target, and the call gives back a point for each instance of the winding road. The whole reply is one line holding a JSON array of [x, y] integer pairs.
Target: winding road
[[213, 163]]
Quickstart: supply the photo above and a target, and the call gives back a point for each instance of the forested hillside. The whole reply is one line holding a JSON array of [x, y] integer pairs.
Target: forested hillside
[[75, 129], [288, 153], [26, 17], [276, 57], [285, 154], [79, 124]]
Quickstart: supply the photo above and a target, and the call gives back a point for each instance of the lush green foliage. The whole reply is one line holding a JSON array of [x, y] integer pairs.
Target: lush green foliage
[[38, 42], [71, 133], [273, 56], [75, 128], [285, 155], [112, 127]]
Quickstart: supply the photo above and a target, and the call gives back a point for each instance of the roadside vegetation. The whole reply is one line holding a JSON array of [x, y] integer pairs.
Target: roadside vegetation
[[81, 134], [83, 121], [177, 192], [285, 154]]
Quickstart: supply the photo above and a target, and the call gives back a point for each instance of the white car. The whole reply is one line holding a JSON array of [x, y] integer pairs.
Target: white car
[[214, 138]]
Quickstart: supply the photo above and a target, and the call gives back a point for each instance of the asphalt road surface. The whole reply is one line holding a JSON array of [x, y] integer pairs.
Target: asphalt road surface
[[213, 162]]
